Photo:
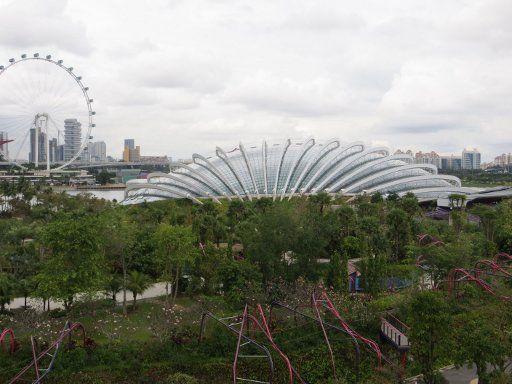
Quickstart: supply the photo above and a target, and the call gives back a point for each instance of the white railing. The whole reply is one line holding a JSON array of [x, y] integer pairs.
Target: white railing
[[394, 334]]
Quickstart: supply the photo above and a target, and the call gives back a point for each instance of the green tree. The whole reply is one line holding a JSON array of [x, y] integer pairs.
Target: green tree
[[337, 273], [119, 245], [478, 344], [504, 226], [399, 233], [74, 261], [372, 269], [241, 281], [104, 177], [430, 321], [138, 282], [7, 289], [321, 200], [176, 247]]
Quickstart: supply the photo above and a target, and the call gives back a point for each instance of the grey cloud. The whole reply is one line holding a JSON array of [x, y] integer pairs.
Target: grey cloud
[[33, 24], [194, 73]]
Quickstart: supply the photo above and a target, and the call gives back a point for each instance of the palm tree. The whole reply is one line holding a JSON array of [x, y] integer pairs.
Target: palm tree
[[138, 282]]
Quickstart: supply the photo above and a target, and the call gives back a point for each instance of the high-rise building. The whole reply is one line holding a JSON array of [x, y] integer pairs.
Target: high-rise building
[[130, 143], [471, 159], [451, 162], [39, 144], [131, 153], [427, 158], [98, 152], [72, 138], [4, 148], [53, 150]]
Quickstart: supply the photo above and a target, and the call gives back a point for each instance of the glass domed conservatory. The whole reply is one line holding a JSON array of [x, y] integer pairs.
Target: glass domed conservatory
[[291, 168]]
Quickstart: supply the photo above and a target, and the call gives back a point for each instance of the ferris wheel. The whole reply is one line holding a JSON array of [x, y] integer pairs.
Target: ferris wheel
[[46, 115]]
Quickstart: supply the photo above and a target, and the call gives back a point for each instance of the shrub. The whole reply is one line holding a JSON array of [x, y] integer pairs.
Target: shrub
[[181, 378]]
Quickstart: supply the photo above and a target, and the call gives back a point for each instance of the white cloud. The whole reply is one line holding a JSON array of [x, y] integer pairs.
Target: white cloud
[[183, 76], [33, 23]]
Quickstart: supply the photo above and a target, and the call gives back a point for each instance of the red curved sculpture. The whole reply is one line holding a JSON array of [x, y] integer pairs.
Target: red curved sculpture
[[41, 373], [12, 339], [325, 301], [426, 239], [483, 265], [503, 258], [262, 324]]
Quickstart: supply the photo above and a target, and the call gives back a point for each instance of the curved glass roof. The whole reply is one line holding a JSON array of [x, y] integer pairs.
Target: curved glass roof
[[282, 170]]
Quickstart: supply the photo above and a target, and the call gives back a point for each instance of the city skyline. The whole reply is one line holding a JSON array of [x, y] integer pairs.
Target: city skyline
[[387, 74]]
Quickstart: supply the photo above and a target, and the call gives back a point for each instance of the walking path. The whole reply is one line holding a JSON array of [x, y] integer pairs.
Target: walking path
[[155, 290]]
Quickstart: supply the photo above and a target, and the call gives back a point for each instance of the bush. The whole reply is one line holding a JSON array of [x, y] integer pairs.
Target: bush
[[181, 378]]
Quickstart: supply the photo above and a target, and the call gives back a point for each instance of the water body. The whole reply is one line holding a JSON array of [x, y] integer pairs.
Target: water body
[[117, 194]]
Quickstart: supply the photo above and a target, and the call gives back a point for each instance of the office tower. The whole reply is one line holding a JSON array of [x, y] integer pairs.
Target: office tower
[[41, 145], [471, 159], [98, 152], [53, 150], [72, 138], [131, 153], [451, 162], [130, 143], [4, 148]]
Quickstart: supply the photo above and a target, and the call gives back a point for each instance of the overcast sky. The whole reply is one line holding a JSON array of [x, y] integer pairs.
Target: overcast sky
[[182, 76]]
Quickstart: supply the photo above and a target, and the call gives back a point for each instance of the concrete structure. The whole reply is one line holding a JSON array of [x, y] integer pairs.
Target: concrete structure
[[97, 152], [451, 162], [72, 138], [427, 158], [129, 143], [54, 151], [471, 159], [41, 145], [131, 153], [283, 170], [4, 148]]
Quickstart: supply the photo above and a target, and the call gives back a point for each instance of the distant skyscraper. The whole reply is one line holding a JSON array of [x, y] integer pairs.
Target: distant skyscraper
[[41, 145], [131, 153], [471, 159], [129, 143], [4, 148], [72, 138], [451, 162], [98, 152], [53, 150]]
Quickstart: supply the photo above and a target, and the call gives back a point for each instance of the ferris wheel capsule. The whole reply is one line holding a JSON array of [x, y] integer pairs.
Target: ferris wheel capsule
[[11, 61], [60, 62], [48, 57], [36, 55], [24, 56]]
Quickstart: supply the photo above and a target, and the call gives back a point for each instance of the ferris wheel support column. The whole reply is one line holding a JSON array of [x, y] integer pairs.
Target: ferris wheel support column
[[36, 134], [47, 147]]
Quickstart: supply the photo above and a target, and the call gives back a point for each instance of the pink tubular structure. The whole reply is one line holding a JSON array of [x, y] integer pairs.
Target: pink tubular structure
[[426, 239], [259, 321], [50, 352], [459, 275], [324, 326], [323, 301], [503, 258], [485, 265], [247, 341], [12, 339]]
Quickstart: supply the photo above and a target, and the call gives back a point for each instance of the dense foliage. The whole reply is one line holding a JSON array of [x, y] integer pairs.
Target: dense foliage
[[58, 248]]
